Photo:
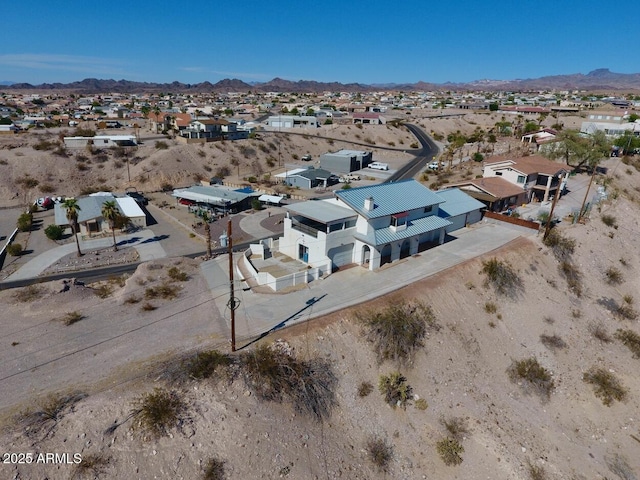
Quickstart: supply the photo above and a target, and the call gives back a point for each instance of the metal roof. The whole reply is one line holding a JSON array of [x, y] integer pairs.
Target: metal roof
[[456, 202], [216, 194], [414, 228], [90, 208], [389, 198], [321, 211]]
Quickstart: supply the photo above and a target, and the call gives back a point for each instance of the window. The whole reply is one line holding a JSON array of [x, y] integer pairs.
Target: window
[[334, 227], [428, 209], [521, 178], [399, 219], [350, 223], [498, 174]]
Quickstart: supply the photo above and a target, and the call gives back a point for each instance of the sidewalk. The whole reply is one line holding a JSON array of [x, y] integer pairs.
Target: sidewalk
[[261, 313], [144, 241]]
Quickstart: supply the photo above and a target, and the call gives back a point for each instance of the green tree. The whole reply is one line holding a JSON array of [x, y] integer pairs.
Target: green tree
[[111, 214], [72, 209], [580, 151], [493, 107], [627, 142]]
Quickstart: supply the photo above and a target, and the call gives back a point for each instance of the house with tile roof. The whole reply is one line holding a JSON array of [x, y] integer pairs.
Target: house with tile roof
[[536, 175], [496, 193], [370, 226]]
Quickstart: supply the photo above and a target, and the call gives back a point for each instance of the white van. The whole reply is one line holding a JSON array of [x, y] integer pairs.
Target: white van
[[379, 166]]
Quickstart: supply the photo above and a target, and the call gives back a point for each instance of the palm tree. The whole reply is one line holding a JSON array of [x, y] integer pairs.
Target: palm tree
[[111, 214], [72, 208]]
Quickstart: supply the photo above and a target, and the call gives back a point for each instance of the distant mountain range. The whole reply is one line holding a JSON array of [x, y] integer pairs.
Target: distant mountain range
[[598, 80]]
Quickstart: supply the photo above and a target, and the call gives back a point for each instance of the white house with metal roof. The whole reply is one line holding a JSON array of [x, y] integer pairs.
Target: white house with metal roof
[[90, 218], [372, 225]]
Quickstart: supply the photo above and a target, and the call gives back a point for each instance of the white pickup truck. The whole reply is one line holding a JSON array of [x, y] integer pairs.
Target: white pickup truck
[[379, 166]]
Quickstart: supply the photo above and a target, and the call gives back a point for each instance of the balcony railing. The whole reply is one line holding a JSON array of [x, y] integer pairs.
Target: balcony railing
[[301, 227]]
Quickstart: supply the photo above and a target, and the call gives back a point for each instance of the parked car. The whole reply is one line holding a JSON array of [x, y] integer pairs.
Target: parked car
[[139, 198], [306, 158], [435, 165], [379, 166]]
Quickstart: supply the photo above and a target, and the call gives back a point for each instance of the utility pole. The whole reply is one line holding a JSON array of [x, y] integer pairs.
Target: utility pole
[[584, 201], [233, 302], [553, 206]]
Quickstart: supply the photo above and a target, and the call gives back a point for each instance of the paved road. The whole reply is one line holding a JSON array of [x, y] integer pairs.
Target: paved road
[[415, 166]]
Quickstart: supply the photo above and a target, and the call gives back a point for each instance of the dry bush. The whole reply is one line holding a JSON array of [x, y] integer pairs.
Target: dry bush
[[49, 414], [535, 375], [395, 389], [166, 291], [561, 246], [573, 276], [214, 470], [92, 466], [456, 427], [630, 339], [275, 375], [202, 365], [177, 274], [148, 307], [450, 451], [159, 411], [28, 294], [609, 220], [553, 342], [599, 331], [536, 472], [379, 452], [606, 385], [398, 329], [364, 389], [613, 276], [104, 290], [490, 307], [502, 277], [71, 317]]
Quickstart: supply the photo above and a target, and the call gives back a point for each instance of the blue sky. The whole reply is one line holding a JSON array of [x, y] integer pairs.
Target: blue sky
[[346, 41]]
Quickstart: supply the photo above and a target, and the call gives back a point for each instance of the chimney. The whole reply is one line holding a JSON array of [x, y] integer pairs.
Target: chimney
[[368, 204]]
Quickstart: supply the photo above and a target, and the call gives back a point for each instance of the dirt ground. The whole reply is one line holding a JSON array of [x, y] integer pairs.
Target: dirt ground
[[461, 372]]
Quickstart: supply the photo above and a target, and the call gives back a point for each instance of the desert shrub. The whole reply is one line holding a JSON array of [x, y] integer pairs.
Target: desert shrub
[[609, 220], [275, 375], [535, 375], [104, 290], [177, 274], [159, 411], [421, 404], [148, 307], [630, 339], [71, 317], [573, 276], [202, 365], [450, 451], [214, 470], [599, 331], [27, 182], [50, 412], [161, 145], [502, 277], [606, 385], [626, 310], [45, 145], [25, 221], [54, 232], [92, 466], [131, 300], [395, 389], [490, 307], [364, 389], [15, 249], [561, 246], [222, 172], [28, 294], [456, 427], [613, 276], [536, 472], [398, 329], [553, 342], [379, 452], [47, 188], [164, 290]]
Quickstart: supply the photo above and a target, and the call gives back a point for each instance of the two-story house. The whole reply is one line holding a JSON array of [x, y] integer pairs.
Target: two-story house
[[369, 226], [538, 176]]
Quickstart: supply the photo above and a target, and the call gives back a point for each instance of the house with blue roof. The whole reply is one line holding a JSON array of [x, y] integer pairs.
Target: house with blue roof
[[373, 225]]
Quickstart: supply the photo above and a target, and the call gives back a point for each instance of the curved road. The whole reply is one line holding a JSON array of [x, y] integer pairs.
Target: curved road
[[429, 150]]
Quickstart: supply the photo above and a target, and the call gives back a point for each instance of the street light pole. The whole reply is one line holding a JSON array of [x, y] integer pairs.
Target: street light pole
[[233, 303]]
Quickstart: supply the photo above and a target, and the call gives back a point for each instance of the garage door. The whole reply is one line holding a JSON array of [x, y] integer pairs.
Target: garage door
[[342, 255]]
